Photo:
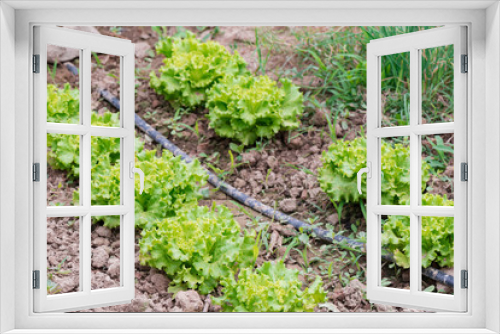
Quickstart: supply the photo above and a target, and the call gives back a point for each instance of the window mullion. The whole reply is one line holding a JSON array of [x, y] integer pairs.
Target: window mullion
[[85, 171], [415, 184]]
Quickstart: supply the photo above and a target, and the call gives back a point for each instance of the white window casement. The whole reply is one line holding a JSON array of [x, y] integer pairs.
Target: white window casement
[[85, 131], [415, 44], [476, 120]]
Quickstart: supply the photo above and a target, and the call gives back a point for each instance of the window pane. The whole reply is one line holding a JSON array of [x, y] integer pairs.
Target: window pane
[[395, 250], [438, 169], [63, 169], [437, 84], [395, 89], [105, 77], [105, 172], [437, 251], [105, 252], [63, 255], [63, 95], [395, 170]]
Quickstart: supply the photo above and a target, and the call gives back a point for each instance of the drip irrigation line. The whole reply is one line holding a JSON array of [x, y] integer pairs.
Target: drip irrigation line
[[254, 204], [72, 68]]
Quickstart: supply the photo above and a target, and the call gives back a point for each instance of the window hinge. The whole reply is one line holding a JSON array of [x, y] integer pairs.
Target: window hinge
[[465, 279], [36, 63], [464, 171], [36, 279], [36, 172], [465, 64]]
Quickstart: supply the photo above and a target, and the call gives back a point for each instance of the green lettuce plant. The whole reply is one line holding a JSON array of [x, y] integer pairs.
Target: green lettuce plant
[[437, 236], [191, 67], [170, 185], [247, 108], [196, 248], [270, 288], [63, 153], [63, 104], [338, 174]]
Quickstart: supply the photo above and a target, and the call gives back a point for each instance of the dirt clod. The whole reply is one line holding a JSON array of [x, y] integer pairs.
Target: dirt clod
[[114, 267], [189, 301], [272, 162], [100, 241], [296, 143], [276, 241], [333, 219], [384, 308], [103, 231], [314, 193], [251, 157], [296, 191], [239, 183], [99, 257], [141, 49], [284, 230], [214, 308], [319, 118], [288, 205], [160, 282]]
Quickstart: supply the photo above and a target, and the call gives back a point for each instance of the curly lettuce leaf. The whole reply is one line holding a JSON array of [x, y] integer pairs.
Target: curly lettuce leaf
[[338, 174], [247, 108], [191, 68], [437, 236], [196, 248], [270, 288]]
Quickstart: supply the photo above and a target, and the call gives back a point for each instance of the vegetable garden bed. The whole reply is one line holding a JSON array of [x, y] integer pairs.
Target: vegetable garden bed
[[316, 145]]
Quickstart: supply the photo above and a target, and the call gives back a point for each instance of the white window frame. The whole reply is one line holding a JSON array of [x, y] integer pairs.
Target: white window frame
[[483, 21], [86, 43], [414, 43]]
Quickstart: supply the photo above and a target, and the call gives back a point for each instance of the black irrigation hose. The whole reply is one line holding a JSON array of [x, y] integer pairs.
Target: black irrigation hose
[[246, 200]]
